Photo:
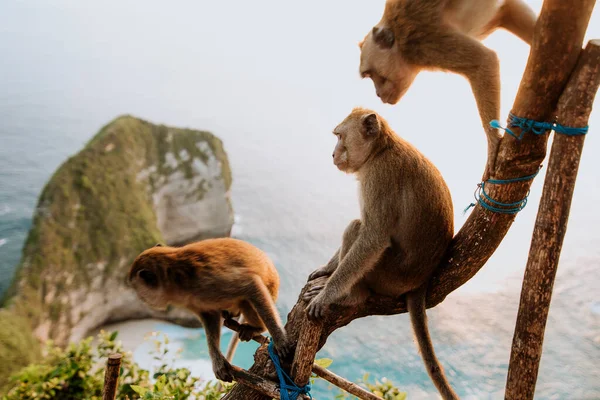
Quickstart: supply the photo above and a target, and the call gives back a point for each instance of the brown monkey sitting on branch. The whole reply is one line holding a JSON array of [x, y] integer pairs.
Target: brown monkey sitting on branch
[[214, 278], [406, 224], [415, 35]]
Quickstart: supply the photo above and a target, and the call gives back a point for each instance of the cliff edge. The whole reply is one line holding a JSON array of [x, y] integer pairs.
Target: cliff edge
[[133, 185]]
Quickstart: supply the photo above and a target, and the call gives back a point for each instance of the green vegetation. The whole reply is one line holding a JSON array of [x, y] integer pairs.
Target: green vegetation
[[384, 389], [93, 217], [18, 347], [77, 373]]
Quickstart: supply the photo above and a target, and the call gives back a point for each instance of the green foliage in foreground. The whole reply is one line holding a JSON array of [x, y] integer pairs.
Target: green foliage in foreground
[[18, 346], [77, 373]]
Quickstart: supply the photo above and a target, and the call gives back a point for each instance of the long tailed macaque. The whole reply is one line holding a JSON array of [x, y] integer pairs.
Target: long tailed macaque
[[214, 279], [415, 35], [406, 224]]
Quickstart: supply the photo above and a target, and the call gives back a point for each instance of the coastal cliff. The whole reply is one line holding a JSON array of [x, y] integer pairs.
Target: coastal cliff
[[133, 185]]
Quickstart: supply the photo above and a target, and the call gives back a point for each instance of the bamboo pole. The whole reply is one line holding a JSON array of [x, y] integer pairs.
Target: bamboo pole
[[574, 108], [111, 376]]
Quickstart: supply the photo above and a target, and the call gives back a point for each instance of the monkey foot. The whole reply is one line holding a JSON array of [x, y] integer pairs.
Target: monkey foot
[[247, 332], [318, 273], [317, 309], [284, 348], [223, 371], [312, 292]]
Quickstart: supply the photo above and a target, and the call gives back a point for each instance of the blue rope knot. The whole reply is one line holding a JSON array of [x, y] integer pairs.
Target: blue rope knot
[[525, 125], [288, 389], [538, 128], [490, 204]]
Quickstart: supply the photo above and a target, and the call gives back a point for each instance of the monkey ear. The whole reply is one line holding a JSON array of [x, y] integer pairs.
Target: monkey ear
[[370, 124], [384, 37]]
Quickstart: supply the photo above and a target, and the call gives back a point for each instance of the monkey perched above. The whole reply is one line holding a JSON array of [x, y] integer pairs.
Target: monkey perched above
[[415, 35], [212, 278], [406, 224]]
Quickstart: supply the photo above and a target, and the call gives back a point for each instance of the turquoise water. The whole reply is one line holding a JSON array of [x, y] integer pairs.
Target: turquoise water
[[273, 88]]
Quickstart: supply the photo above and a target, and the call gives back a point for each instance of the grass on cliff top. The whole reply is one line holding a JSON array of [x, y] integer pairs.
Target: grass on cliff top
[[93, 216]]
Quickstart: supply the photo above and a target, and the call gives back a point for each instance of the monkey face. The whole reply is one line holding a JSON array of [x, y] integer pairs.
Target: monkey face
[[146, 279], [355, 135], [381, 60]]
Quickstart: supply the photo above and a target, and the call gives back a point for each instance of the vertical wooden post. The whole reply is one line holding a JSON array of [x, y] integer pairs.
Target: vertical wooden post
[[111, 376], [574, 108]]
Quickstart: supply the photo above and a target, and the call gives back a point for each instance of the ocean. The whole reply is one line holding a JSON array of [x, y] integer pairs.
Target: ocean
[[272, 79]]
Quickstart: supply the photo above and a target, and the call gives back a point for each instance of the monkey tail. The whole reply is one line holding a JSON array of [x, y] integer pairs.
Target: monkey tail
[[415, 302]]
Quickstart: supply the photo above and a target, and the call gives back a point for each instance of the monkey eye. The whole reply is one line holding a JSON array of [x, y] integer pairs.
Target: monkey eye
[[148, 277]]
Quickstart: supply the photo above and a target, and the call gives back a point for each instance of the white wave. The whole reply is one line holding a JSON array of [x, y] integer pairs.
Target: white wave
[[4, 209], [3, 241], [236, 229]]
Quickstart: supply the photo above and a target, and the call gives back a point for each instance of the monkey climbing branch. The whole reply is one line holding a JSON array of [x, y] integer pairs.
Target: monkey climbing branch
[[557, 42]]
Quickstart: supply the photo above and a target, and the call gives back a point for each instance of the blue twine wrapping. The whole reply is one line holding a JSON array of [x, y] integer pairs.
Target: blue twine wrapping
[[287, 388], [490, 204], [538, 128]]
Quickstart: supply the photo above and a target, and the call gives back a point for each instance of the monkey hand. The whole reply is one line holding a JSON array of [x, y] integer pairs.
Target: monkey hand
[[223, 370], [318, 307], [323, 271]]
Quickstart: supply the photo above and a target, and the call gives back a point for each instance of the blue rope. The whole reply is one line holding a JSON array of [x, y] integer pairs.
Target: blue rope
[[525, 125], [288, 391], [538, 128], [490, 204]]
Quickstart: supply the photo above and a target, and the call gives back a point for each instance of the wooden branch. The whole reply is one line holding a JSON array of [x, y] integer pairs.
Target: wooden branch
[[329, 376], [258, 383], [557, 42], [308, 343], [342, 383], [111, 376], [574, 109], [235, 326]]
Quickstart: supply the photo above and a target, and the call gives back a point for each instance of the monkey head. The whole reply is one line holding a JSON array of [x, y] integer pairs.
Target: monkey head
[[381, 59], [147, 277], [357, 137]]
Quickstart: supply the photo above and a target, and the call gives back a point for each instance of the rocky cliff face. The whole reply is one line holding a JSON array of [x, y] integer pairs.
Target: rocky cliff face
[[134, 184]]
